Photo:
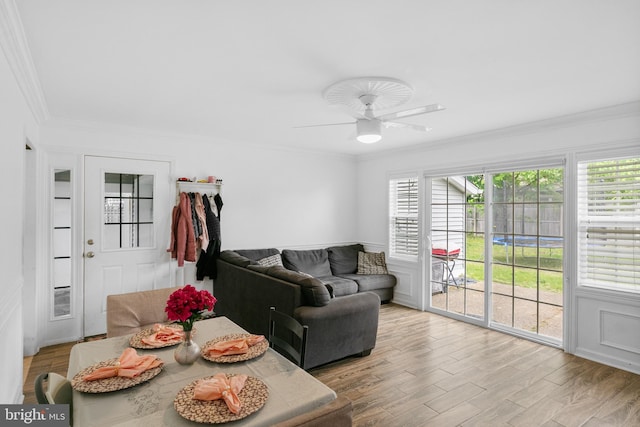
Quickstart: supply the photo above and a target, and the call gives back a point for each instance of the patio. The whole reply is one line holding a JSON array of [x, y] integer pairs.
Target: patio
[[524, 313]]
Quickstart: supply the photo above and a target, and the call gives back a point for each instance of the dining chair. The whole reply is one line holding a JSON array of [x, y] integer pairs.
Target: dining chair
[[287, 336], [52, 388], [131, 312]]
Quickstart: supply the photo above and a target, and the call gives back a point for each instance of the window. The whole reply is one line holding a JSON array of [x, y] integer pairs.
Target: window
[[403, 217], [609, 223], [62, 242], [128, 211]]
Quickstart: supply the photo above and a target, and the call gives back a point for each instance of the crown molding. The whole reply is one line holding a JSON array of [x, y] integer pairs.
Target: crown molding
[[127, 131], [16, 50], [629, 109]]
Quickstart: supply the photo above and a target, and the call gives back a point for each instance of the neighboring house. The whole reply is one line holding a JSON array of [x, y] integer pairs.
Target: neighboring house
[[451, 216]]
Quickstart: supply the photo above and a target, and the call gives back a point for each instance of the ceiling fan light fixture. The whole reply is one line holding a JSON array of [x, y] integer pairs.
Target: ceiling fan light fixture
[[369, 131]]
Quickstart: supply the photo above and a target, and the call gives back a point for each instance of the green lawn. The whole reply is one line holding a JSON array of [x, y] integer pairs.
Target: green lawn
[[523, 272]]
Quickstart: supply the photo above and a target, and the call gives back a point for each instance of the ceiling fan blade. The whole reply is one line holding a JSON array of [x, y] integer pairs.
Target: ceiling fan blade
[[412, 112], [406, 125], [328, 124]]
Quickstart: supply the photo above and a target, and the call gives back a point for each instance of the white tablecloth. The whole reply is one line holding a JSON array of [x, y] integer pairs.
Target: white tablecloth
[[292, 391]]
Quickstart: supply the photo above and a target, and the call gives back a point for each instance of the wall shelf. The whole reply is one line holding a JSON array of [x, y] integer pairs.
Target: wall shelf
[[208, 188]]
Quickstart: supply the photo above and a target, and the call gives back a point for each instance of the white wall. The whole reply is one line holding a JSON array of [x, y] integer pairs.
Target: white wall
[[272, 197], [16, 122], [561, 137]]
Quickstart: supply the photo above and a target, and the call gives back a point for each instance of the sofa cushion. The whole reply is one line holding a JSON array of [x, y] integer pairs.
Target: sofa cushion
[[370, 282], [372, 263], [340, 285], [312, 261], [256, 254], [313, 290], [344, 259]]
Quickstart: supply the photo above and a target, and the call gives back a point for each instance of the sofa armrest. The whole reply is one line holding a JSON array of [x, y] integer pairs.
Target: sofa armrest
[[245, 296], [337, 413], [346, 326]]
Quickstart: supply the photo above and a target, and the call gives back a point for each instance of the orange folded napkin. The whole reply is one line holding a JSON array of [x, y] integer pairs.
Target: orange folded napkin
[[236, 346], [221, 387], [129, 365], [163, 334]]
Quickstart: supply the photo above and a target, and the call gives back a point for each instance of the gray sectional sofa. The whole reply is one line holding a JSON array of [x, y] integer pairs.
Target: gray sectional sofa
[[319, 287]]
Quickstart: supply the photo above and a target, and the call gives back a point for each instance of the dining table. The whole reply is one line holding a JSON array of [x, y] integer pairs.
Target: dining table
[[291, 390]]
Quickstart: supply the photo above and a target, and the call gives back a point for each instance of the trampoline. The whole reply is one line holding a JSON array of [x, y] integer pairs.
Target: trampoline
[[527, 242]]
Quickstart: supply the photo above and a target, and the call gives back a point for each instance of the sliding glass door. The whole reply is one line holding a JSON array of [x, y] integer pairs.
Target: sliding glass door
[[497, 249], [457, 248], [527, 243]]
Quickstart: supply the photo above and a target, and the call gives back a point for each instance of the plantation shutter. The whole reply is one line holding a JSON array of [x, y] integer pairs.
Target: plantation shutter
[[609, 223], [403, 209]]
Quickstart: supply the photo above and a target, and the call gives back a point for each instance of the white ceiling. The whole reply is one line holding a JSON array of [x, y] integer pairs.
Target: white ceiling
[[251, 70]]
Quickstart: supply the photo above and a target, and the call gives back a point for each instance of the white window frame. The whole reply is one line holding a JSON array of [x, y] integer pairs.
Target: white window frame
[[410, 214], [593, 274]]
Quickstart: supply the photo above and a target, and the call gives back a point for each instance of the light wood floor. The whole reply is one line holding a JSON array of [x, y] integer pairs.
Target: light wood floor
[[430, 370]]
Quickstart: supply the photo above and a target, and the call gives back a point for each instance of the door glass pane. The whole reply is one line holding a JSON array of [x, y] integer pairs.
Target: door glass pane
[[128, 211], [145, 210], [111, 236], [145, 235], [61, 302], [457, 252], [61, 235], [62, 212], [527, 250], [61, 272], [145, 185]]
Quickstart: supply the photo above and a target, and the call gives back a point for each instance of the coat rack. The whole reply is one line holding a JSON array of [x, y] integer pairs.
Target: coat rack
[[210, 189]]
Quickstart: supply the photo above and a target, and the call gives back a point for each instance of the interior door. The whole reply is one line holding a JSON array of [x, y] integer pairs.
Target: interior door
[[127, 224]]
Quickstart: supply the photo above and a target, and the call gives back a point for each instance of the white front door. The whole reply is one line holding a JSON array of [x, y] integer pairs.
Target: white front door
[[127, 224]]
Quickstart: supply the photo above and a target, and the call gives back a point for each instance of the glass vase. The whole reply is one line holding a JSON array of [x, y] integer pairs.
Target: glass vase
[[187, 351]]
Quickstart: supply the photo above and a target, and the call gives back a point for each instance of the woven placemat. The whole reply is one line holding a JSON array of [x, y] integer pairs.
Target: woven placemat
[[109, 384], [253, 396], [136, 340], [254, 350]]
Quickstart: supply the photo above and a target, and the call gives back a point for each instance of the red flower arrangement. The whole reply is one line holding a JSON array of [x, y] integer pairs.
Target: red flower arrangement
[[186, 305]]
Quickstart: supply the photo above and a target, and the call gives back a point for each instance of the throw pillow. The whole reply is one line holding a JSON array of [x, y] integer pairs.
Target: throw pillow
[[271, 260], [372, 263]]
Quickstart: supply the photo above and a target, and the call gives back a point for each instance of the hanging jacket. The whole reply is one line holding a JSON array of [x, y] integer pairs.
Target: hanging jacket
[[203, 239], [183, 242], [197, 228], [207, 263]]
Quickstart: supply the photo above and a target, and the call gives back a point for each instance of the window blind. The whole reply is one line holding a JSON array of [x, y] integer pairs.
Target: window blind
[[609, 223], [403, 224]]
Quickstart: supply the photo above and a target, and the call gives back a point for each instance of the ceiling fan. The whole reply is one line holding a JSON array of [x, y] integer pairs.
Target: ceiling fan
[[365, 94]]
